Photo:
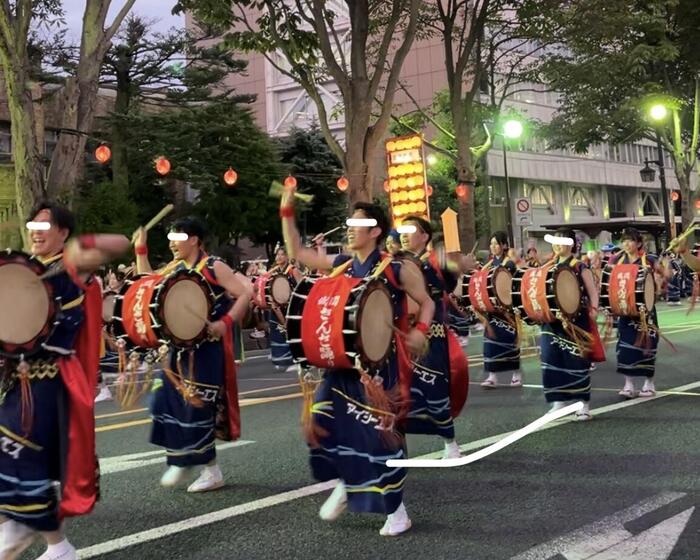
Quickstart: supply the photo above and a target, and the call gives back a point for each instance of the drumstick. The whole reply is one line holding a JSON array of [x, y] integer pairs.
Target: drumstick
[[197, 314], [474, 248], [322, 235], [157, 218], [277, 189], [675, 242], [396, 329]]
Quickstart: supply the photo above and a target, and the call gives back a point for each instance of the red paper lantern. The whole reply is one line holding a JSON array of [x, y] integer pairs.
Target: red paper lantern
[[697, 204], [343, 184], [675, 196], [461, 191], [103, 154], [290, 182], [162, 166], [429, 190], [386, 186], [230, 177]]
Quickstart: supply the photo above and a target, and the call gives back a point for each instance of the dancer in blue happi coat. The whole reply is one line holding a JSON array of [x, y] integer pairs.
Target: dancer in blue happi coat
[[637, 340], [280, 354], [431, 406], [354, 421], [195, 399], [568, 347], [501, 345]]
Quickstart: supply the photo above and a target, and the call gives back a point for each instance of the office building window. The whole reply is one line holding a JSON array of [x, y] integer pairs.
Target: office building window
[[650, 204], [577, 198], [616, 203], [539, 195]]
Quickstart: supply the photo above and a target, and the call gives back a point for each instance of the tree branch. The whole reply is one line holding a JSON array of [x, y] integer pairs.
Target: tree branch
[[116, 24], [339, 76]]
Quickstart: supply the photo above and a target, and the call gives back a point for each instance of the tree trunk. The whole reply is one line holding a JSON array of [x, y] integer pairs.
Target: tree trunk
[[687, 209], [120, 162], [467, 176], [28, 166]]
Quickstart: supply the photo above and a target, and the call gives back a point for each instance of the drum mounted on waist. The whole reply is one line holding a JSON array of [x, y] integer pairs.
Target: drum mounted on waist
[[489, 289], [548, 292], [154, 309], [334, 322], [272, 289], [627, 290], [29, 305]]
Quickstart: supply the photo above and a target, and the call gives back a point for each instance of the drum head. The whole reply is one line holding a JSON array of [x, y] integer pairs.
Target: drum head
[[280, 290], [185, 309], [374, 324], [25, 302], [649, 292], [567, 291], [503, 286], [108, 303]]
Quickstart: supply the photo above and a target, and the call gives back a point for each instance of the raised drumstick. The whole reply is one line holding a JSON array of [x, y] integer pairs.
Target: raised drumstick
[[155, 220]]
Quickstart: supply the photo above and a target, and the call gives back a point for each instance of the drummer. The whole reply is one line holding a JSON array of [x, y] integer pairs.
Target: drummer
[[280, 354], [636, 343], [431, 384], [501, 347], [35, 395], [342, 445], [567, 350], [187, 395], [393, 242]]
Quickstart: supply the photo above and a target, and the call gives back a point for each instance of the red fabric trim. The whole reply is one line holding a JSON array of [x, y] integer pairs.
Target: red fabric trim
[[233, 409], [422, 327], [459, 374], [87, 347], [72, 272], [597, 353], [80, 484]]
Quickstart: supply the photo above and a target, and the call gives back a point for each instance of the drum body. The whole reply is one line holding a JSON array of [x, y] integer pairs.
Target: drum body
[[548, 292], [272, 289], [154, 309], [490, 290], [627, 290], [29, 306], [332, 322]]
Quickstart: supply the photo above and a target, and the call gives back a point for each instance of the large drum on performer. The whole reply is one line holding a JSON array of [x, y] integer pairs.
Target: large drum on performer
[[272, 289], [627, 290], [29, 307], [550, 293], [155, 309], [109, 300], [489, 289], [332, 322]]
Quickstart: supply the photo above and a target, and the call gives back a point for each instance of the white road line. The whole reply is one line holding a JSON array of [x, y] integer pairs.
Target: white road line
[[121, 543], [121, 463]]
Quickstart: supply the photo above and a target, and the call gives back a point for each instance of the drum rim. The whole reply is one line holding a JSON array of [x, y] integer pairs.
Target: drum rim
[[502, 307], [268, 289], [369, 287], [161, 290], [33, 346]]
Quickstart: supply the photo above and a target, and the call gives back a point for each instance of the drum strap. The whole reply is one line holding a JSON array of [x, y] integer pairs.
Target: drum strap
[[72, 304]]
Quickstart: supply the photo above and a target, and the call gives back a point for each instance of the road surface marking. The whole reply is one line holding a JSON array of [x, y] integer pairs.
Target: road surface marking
[[156, 533], [608, 539]]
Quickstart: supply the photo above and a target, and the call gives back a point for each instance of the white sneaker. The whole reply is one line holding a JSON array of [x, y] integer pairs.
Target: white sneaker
[[463, 340], [396, 523], [104, 395], [16, 538], [292, 368], [257, 334], [451, 451], [61, 551], [557, 405], [174, 476], [210, 479], [336, 504]]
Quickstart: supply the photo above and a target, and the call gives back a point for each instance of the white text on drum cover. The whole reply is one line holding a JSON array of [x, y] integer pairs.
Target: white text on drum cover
[[623, 278], [10, 447], [326, 304]]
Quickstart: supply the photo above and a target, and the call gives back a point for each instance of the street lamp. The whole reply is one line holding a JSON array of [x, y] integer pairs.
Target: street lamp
[[512, 130], [658, 113]]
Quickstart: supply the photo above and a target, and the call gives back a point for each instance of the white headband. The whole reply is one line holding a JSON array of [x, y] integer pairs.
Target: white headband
[[177, 236], [39, 226], [408, 228], [556, 240], [361, 222]]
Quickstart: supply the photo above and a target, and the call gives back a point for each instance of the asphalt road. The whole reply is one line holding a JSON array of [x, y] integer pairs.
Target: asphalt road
[[623, 486]]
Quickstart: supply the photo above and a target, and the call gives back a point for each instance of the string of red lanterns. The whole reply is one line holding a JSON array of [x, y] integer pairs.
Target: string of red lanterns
[[103, 153], [290, 182], [162, 165], [230, 177], [461, 190], [343, 184]]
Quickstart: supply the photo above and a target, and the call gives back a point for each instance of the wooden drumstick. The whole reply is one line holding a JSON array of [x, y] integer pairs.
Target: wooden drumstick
[[324, 235], [197, 314], [474, 248], [675, 242], [396, 329], [155, 220]]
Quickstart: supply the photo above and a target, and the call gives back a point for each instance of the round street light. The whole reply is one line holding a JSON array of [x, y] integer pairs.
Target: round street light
[[658, 112], [432, 159], [513, 129]]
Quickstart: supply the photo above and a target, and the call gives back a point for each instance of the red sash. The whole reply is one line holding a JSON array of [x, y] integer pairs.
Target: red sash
[[233, 410]]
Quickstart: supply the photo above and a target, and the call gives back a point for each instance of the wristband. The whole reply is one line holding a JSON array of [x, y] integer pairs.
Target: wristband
[[141, 250], [87, 241], [422, 327], [287, 211]]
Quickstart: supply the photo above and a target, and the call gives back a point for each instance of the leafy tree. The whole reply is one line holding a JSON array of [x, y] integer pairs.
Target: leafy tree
[[614, 59], [309, 158], [359, 46]]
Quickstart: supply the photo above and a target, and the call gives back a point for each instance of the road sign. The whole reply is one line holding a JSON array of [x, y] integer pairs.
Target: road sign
[[523, 212]]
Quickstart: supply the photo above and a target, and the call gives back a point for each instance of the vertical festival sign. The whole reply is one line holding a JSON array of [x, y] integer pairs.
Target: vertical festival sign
[[407, 182]]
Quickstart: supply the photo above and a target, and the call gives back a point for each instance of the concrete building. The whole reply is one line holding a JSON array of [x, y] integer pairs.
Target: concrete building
[[562, 187]]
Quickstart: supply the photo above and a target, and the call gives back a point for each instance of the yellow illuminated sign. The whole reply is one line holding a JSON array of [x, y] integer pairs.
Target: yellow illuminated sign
[[408, 194]]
